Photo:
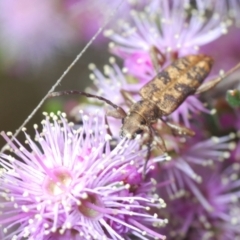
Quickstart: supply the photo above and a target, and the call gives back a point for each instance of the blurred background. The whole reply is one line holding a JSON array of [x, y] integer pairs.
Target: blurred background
[[38, 40]]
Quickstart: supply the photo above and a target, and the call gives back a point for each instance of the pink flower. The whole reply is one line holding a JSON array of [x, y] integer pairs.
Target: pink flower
[[174, 28], [70, 183], [209, 210], [192, 154], [88, 17], [226, 51]]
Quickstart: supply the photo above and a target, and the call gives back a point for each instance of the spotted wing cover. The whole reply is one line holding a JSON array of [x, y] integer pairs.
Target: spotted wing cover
[[175, 83]]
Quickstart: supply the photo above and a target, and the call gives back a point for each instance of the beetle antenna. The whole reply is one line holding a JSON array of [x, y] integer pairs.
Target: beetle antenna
[[75, 92]]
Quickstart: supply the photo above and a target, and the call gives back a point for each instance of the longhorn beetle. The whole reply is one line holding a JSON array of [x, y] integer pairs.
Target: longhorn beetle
[[160, 97]]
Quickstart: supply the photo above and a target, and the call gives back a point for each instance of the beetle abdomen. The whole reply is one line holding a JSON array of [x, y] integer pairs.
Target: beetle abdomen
[[175, 83]]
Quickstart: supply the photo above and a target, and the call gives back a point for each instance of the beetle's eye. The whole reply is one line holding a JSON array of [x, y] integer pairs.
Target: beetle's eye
[[143, 122], [139, 131], [123, 120]]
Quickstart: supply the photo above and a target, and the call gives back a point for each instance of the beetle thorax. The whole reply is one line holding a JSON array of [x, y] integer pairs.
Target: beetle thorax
[[140, 115]]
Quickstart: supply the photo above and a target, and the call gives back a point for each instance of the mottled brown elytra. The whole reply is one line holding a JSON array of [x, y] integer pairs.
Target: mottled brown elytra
[[160, 97]]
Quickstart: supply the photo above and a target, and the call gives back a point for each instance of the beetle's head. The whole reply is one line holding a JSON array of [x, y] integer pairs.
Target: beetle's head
[[132, 125]]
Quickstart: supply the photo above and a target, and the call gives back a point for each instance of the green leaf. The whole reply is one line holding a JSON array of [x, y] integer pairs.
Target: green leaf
[[233, 98]]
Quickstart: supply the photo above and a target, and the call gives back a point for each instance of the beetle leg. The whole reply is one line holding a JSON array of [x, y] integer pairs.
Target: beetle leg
[[150, 136], [118, 113], [147, 140], [127, 97], [108, 127], [157, 58], [179, 130], [212, 83], [209, 85], [160, 142]]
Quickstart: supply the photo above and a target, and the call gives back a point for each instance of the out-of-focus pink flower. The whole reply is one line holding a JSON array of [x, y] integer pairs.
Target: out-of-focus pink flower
[[193, 153], [112, 81], [140, 64], [32, 30], [209, 210], [226, 51], [230, 121], [228, 9], [174, 28], [88, 16]]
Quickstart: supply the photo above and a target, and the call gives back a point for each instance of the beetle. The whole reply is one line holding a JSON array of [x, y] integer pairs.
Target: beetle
[[160, 97]]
